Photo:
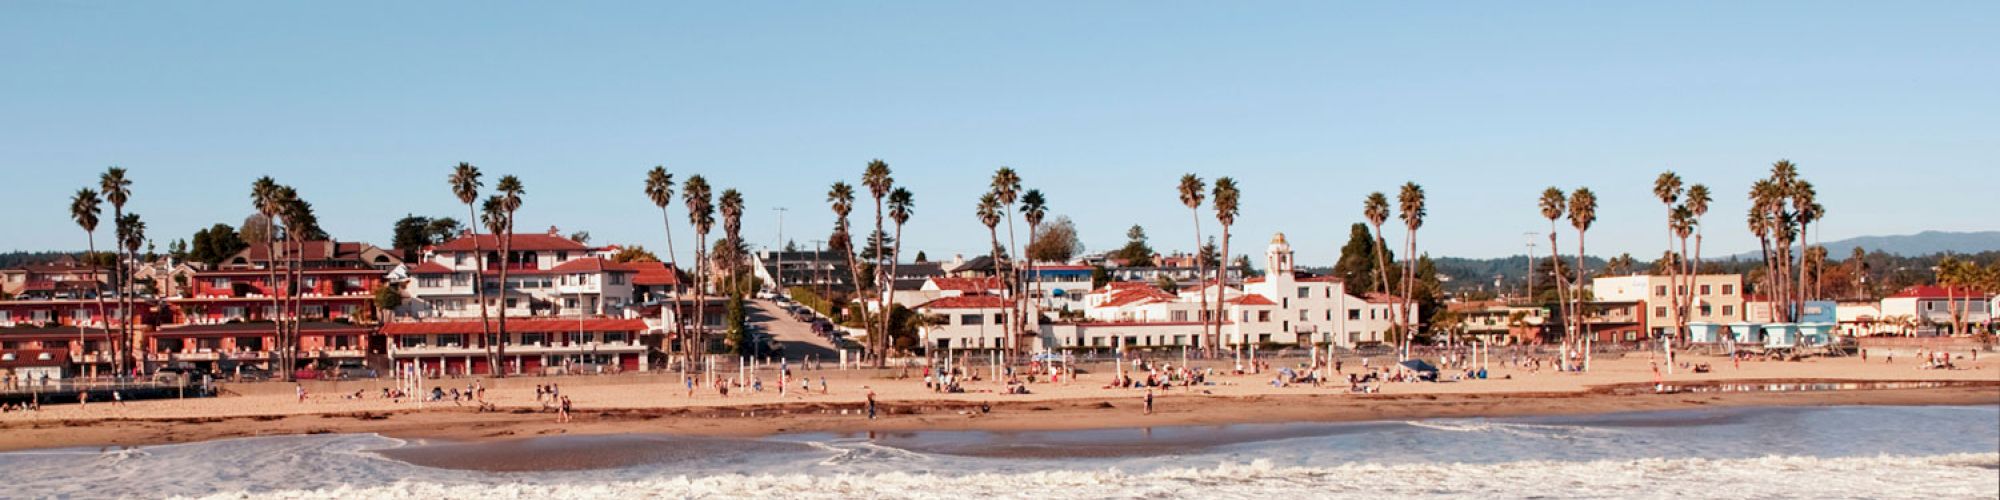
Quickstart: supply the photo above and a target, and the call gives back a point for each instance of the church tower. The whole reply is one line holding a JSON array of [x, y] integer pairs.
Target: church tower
[[1278, 258]]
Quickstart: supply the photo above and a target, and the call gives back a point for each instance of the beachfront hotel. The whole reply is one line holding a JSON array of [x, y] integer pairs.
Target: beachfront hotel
[[569, 307], [1285, 307]]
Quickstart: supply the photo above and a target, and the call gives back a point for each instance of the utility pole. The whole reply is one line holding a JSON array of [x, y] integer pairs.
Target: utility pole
[[1530, 237], [778, 272]]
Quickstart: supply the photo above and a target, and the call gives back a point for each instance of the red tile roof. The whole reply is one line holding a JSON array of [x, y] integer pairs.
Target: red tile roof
[[535, 325], [1252, 300], [653, 274], [966, 302], [1137, 296], [973, 285], [430, 268], [1938, 292], [522, 242]]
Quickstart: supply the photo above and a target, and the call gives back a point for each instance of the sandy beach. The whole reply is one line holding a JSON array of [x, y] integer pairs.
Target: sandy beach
[[659, 403]]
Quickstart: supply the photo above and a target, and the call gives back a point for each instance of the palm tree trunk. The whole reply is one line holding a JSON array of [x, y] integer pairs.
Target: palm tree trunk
[[1579, 311], [895, 262], [700, 336], [1222, 285], [506, 261], [1201, 278], [1562, 295], [82, 341], [674, 268], [479, 288], [1014, 329], [1034, 285], [994, 235], [1409, 288]]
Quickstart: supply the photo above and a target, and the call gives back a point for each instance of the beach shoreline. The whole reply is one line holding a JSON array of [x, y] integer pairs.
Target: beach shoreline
[[910, 411]]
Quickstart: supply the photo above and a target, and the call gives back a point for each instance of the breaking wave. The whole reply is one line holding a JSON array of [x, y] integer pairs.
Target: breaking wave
[[1970, 475]]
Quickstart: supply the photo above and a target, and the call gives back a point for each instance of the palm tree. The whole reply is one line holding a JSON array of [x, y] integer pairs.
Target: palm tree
[[1411, 202], [131, 237], [701, 216], [1193, 191], [1006, 187], [1696, 203], [117, 190], [660, 190], [901, 205], [840, 198], [301, 225], [876, 177], [1033, 208], [1553, 204], [1805, 203], [264, 196], [988, 213], [465, 185], [731, 206], [1582, 213], [1667, 187], [84, 209], [1228, 204], [510, 190], [493, 215]]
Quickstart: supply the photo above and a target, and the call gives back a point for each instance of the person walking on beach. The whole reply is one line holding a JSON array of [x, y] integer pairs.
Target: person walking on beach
[[871, 404], [562, 411], [301, 389], [117, 398], [1149, 401]]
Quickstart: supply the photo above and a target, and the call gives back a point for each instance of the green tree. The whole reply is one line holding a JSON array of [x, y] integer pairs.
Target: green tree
[[1356, 266], [412, 232], [387, 300], [634, 253], [1135, 253], [1055, 241]]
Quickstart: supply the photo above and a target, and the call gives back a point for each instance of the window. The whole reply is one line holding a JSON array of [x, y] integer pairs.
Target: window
[[1728, 310], [533, 338], [451, 340], [1000, 319], [428, 281], [250, 343], [1264, 316], [1707, 310], [1704, 290], [1180, 316], [1305, 292], [461, 279], [411, 341], [1354, 314], [617, 278], [1728, 289], [1660, 291], [1303, 313], [1660, 312]]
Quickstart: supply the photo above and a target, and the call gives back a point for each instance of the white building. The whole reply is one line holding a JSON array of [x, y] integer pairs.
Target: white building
[[1935, 310], [547, 275]]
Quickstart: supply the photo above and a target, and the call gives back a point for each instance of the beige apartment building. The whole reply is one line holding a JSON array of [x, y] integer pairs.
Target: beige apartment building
[[1718, 298]]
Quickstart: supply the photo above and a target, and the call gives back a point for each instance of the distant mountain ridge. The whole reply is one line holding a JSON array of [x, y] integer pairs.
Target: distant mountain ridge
[[1910, 245]]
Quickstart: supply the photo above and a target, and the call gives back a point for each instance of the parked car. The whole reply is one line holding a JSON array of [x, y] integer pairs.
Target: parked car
[[352, 370]]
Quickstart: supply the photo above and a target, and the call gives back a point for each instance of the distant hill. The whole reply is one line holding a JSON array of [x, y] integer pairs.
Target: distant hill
[[1911, 245]]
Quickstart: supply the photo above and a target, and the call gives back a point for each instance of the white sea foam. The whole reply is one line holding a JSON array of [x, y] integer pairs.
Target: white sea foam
[[1888, 476]]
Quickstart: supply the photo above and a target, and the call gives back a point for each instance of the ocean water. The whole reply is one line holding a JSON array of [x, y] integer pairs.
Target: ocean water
[[1834, 452]]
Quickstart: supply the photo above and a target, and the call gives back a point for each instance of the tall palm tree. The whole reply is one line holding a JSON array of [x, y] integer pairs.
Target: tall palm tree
[[989, 215], [660, 190], [131, 237], [1582, 213], [84, 208], [1034, 207], [265, 197], [117, 190], [465, 186], [493, 215], [1376, 209], [701, 216], [1411, 202], [1227, 199], [877, 178], [902, 204], [840, 198], [1697, 202], [1193, 192], [1006, 189], [1667, 187], [1553, 204], [510, 190], [1763, 222], [301, 225], [731, 207], [1681, 221], [1805, 203]]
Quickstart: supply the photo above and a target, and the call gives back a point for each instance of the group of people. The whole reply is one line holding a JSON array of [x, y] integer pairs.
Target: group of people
[[17, 382]]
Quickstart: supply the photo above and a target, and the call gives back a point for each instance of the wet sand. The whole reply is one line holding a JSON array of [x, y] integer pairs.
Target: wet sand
[[657, 404]]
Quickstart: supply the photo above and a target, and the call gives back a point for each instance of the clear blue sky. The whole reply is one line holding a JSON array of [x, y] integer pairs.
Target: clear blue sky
[[1890, 108]]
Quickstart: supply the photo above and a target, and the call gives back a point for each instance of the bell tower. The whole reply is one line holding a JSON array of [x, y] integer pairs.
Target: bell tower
[[1278, 258]]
